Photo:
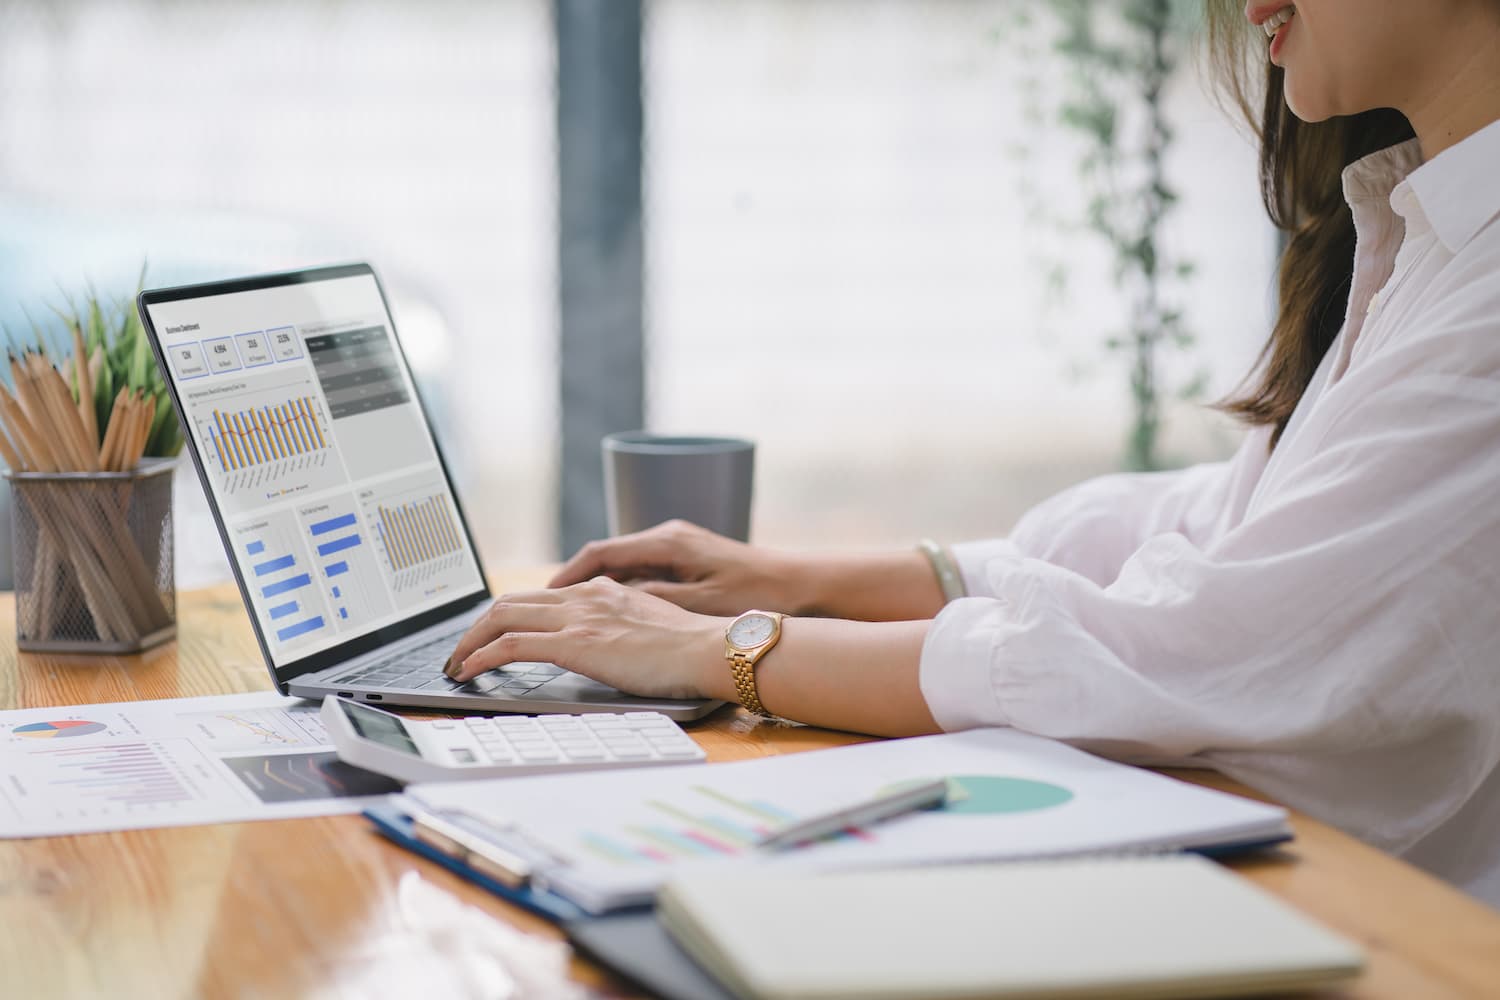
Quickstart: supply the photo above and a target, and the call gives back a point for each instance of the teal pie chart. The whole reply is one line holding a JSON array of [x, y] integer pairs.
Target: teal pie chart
[[992, 794]]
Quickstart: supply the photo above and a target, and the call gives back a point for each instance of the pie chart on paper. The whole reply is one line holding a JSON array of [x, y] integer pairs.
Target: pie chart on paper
[[62, 727]]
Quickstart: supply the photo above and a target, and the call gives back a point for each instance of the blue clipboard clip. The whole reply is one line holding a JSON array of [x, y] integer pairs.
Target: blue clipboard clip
[[463, 852]]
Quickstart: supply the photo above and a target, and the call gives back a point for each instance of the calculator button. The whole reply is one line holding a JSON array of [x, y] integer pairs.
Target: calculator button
[[443, 724], [690, 750], [539, 753], [584, 753], [630, 753]]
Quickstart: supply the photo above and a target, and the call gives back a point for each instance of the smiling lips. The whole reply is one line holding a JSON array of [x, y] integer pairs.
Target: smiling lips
[[1273, 23]]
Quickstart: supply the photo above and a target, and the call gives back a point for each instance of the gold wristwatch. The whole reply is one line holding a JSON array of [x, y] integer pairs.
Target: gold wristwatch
[[748, 638]]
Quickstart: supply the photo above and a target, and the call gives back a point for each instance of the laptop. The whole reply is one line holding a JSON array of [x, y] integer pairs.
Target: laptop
[[344, 530]]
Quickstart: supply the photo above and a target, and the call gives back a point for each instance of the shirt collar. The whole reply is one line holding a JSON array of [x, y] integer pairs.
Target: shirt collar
[[1459, 189], [1372, 178]]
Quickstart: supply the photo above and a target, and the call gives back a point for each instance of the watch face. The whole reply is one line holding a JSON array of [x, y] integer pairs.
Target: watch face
[[751, 630]]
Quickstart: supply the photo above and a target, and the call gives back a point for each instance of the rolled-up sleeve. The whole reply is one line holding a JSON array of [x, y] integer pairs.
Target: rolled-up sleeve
[[1348, 618], [1094, 527]]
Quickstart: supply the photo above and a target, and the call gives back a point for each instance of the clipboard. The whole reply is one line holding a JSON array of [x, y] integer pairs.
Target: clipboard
[[396, 825], [630, 942]]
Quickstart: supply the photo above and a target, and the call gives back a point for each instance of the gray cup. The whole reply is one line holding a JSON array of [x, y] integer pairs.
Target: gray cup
[[651, 478]]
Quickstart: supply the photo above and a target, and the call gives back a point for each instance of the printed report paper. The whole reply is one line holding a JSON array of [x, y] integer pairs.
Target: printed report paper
[[608, 840], [179, 762]]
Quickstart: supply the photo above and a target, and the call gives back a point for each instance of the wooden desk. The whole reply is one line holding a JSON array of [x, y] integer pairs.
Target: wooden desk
[[296, 908]]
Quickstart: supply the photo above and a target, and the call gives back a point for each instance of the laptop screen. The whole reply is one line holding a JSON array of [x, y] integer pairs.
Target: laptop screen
[[333, 500]]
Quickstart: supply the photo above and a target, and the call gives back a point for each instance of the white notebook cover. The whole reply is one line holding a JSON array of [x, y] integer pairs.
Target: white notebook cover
[[1131, 928]]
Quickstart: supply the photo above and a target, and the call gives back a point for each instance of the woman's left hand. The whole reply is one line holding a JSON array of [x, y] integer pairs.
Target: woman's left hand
[[615, 634]]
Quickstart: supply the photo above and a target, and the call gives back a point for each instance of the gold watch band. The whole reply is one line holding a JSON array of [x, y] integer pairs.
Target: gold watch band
[[742, 669]]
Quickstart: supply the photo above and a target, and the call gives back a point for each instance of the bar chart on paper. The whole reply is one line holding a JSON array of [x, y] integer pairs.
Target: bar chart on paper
[[712, 824], [686, 822], [119, 777], [130, 765]]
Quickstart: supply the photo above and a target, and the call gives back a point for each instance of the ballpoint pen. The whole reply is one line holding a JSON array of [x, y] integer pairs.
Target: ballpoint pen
[[885, 806]]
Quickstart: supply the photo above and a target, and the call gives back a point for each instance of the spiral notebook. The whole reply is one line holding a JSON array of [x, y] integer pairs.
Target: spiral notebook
[[609, 841]]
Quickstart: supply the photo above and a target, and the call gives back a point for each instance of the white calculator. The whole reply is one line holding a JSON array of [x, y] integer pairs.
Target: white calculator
[[484, 747]]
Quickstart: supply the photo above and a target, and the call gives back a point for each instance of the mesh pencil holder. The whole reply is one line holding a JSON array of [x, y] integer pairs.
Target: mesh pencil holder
[[93, 559]]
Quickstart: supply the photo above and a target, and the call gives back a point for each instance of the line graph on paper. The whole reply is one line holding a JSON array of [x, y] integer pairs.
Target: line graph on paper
[[258, 729]]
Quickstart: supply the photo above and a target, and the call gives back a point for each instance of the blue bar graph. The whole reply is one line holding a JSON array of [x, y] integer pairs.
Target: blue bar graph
[[274, 565], [343, 612], [282, 610], [255, 548], [301, 628], [332, 524], [291, 583], [335, 589], [334, 569], [338, 545]]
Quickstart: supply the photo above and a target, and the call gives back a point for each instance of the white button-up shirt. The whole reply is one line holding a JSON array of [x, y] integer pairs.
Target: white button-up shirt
[[1321, 622]]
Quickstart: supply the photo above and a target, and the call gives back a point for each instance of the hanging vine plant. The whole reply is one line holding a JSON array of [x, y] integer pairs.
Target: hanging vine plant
[[1116, 60]]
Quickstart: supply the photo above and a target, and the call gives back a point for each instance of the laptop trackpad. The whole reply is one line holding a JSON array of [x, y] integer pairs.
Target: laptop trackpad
[[569, 686]]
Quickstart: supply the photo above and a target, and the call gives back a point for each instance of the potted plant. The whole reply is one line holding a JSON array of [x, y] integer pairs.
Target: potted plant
[[87, 433]]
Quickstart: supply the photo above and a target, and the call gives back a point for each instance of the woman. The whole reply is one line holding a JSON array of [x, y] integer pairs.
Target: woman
[[1318, 617]]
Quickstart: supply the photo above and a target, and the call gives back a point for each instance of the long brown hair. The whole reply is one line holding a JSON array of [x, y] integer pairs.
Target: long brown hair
[[1301, 165]]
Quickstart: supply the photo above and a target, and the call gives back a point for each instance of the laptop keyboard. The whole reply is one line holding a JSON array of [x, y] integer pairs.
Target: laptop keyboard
[[421, 668]]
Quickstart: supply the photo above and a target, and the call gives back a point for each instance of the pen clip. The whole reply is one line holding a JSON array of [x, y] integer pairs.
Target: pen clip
[[883, 806]]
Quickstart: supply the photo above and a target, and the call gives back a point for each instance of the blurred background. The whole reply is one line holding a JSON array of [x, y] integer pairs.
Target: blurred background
[[848, 230]]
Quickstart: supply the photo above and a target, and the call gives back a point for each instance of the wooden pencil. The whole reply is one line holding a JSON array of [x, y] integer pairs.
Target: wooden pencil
[[85, 380], [112, 431], [44, 428]]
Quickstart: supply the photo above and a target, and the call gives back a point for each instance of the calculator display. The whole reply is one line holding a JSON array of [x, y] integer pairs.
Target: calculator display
[[379, 727]]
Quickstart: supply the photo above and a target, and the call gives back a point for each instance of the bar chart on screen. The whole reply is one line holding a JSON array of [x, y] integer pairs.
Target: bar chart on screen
[[265, 439], [347, 570], [282, 579], [418, 536]]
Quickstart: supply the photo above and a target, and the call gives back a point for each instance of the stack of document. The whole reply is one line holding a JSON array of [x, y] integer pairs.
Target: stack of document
[[608, 841], [1154, 927]]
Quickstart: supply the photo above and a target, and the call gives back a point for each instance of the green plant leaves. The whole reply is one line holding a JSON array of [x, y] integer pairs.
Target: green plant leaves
[[113, 334], [1116, 58]]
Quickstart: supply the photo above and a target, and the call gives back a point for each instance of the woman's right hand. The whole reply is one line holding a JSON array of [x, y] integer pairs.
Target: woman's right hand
[[692, 567]]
